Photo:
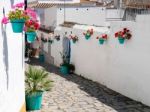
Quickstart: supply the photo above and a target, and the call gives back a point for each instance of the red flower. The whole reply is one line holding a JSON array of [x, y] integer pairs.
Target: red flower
[[30, 22], [97, 37], [128, 30], [91, 32], [36, 25], [123, 32], [116, 34], [105, 36], [125, 29]]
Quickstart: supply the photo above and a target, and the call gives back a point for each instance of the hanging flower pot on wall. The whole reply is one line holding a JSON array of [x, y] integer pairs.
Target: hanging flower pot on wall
[[57, 37], [74, 38], [17, 17], [30, 27], [17, 25], [102, 38], [123, 35], [44, 40], [31, 36], [88, 34], [121, 40], [50, 41]]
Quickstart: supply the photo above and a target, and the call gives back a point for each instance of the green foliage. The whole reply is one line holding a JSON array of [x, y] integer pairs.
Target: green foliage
[[37, 81], [17, 14]]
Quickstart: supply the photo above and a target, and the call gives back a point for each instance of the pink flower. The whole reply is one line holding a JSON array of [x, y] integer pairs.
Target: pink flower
[[19, 5], [31, 13], [25, 29], [5, 20]]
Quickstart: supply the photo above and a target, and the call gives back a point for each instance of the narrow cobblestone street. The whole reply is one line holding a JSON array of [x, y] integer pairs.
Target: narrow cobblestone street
[[73, 93]]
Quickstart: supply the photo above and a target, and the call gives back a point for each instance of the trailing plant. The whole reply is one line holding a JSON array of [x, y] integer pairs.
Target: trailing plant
[[37, 81]]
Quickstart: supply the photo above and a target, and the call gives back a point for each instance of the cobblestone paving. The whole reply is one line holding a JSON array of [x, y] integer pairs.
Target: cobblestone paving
[[73, 93]]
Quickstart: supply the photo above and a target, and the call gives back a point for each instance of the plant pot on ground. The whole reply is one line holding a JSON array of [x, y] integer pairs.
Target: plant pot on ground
[[64, 66], [36, 83]]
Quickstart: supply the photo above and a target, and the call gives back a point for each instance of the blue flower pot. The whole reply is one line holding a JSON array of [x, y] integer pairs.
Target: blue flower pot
[[17, 25], [121, 40], [87, 36], [73, 41], [33, 102], [31, 36], [64, 70], [101, 41], [42, 58]]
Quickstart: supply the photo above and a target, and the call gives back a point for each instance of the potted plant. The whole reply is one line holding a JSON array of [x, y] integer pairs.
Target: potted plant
[[74, 38], [17, 17], [57, 37], [44, 40], [102, 38], [50, 41], [88, 34], [71, 68], [36, 83], [30, 28], [123, 35], [64, 66]]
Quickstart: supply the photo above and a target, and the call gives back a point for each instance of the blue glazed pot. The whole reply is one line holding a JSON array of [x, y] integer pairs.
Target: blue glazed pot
[[42, 58], [101, 41], [87, 36], [64, 70], [31, 36], [17, 25], [73, 41], [33, 102], [121, 40]]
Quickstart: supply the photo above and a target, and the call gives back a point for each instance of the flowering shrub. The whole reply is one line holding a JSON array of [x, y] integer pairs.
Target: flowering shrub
[[124, 34], [102, 37], [88, 33], [17, 12], [74, 38], [31, 25]]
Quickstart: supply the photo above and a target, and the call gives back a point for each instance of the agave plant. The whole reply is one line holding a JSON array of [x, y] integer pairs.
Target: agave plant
[[37, 81]]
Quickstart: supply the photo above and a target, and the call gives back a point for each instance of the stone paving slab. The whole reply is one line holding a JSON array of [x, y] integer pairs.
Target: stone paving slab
[[73, 93]]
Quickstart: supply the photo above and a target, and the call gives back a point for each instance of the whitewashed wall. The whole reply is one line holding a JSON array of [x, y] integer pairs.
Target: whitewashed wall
[[123, 68], [50, 16], [11, 61], [82, 15]]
